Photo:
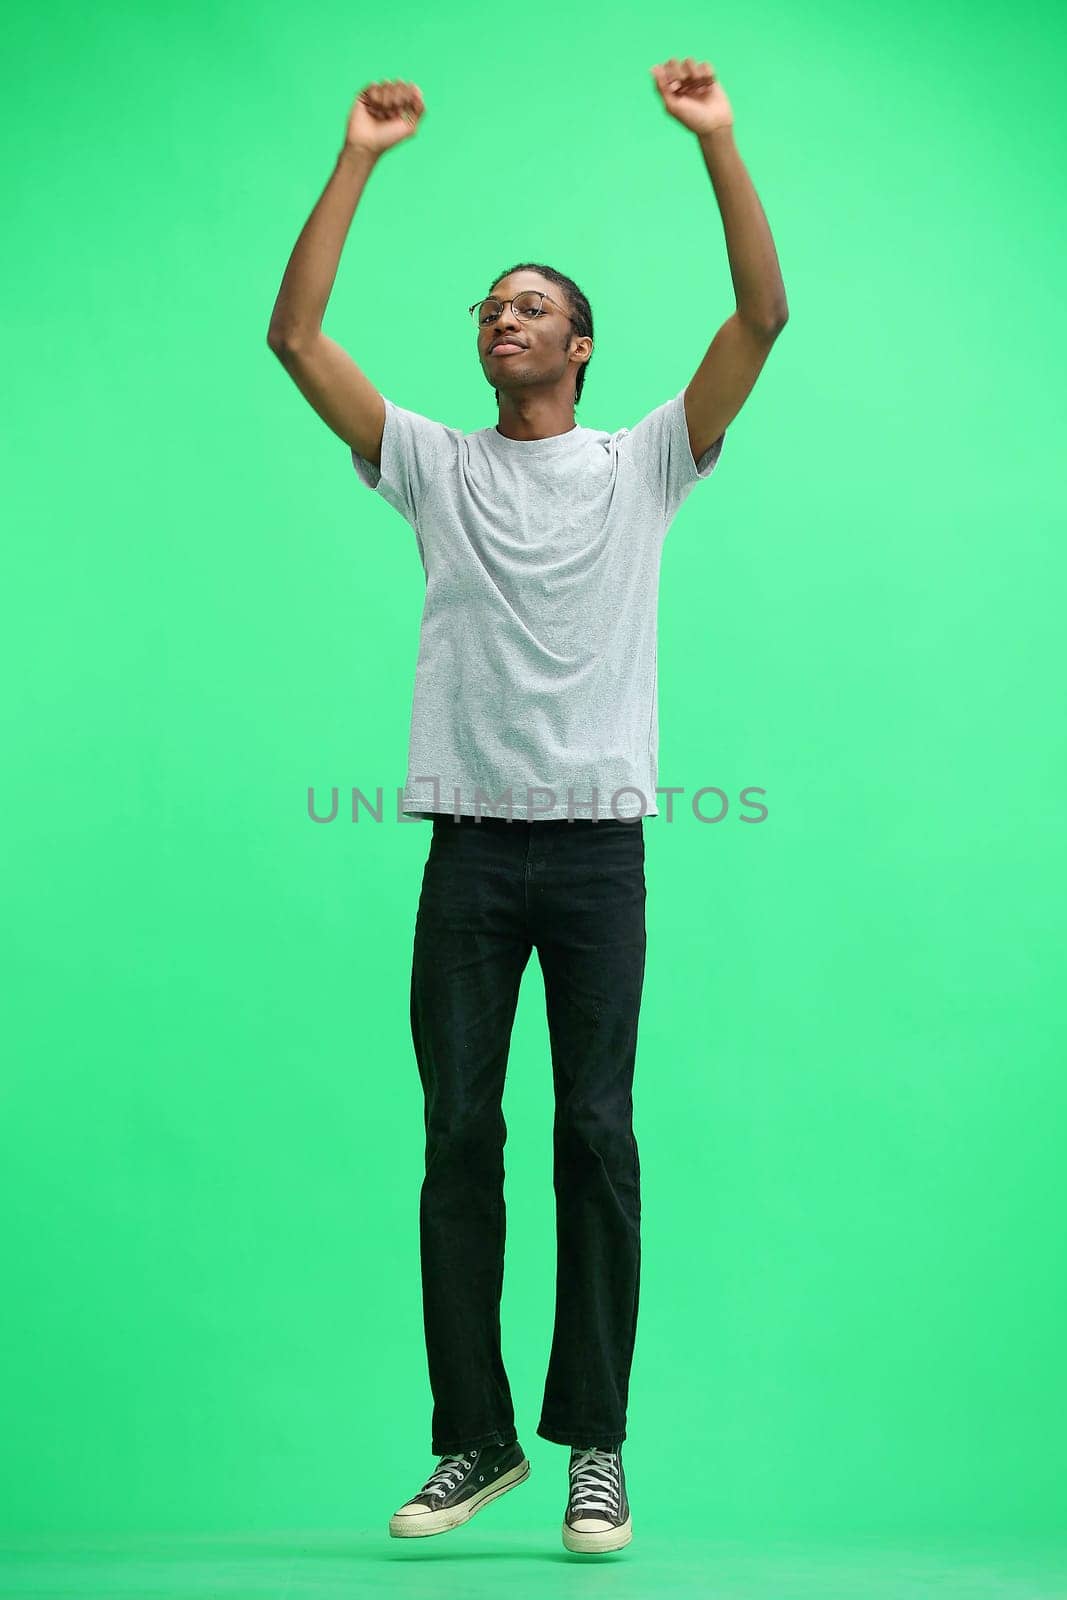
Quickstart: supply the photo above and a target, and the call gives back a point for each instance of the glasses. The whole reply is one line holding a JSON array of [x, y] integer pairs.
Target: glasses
[[528, 305]]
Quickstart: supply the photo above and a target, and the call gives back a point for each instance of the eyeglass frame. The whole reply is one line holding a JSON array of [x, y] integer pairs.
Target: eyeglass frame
[[511, 302]]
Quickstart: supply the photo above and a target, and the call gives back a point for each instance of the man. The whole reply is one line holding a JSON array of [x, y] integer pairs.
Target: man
[[536, 694]]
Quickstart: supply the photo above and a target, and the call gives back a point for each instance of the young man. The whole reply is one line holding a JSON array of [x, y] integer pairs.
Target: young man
[[535, 694]]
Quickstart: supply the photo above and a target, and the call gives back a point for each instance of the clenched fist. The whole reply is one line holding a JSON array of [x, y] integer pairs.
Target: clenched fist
[[383, 114]]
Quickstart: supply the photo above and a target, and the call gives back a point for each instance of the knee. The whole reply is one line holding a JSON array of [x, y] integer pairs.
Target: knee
[[460, 1142], [602, 1130]]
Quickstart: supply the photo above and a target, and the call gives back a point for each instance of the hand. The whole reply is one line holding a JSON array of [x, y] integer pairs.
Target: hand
[[691, 93], [384, 113]]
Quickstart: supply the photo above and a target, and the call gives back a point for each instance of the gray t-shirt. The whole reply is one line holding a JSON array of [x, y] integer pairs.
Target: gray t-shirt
[[536, 672]]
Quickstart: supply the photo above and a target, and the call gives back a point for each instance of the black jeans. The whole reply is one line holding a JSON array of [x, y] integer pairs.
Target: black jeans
[[492, 890]]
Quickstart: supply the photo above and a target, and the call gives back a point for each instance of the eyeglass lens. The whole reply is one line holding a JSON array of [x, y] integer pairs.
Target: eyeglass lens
[[527, 304]]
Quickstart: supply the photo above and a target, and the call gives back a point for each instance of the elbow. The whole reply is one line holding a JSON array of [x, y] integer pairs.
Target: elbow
[[774, 325], [766, 327], [283, 341]]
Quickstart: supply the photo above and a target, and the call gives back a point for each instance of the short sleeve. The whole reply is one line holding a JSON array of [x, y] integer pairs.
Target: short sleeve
[[413, 449], [659, 446]]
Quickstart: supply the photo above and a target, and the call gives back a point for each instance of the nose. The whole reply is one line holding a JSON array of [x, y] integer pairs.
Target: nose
[[499, 329]]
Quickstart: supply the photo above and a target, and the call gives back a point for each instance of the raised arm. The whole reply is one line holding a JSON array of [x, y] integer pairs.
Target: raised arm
[[734, 359], [382, 115]]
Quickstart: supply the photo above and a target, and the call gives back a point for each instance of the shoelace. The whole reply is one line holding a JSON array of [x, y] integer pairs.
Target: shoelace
[[595, 1482], [448, 1473]]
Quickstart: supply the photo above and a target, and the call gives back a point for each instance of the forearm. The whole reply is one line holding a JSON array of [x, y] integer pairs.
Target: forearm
[[309, 277], [758, 287]]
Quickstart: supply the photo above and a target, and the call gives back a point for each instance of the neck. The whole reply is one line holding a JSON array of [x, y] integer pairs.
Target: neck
[[530, 416]]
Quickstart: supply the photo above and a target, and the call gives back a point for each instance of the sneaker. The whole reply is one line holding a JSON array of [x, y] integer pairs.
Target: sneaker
[[598, 1511], [461, 1484]]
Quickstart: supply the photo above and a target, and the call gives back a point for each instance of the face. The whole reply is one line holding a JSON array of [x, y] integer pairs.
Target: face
[[544, 341]]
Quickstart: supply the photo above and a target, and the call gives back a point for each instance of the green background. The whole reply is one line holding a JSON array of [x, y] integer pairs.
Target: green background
[[850, 1091]]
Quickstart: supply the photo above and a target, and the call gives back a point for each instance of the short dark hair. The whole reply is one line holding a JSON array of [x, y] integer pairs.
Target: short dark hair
[[578, 306]]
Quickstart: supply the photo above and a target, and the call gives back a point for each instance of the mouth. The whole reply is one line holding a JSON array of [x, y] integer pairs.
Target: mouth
[[506, 347]]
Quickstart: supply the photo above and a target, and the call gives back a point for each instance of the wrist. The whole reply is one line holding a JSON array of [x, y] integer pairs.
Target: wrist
[[723, 134], [358, 155]]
